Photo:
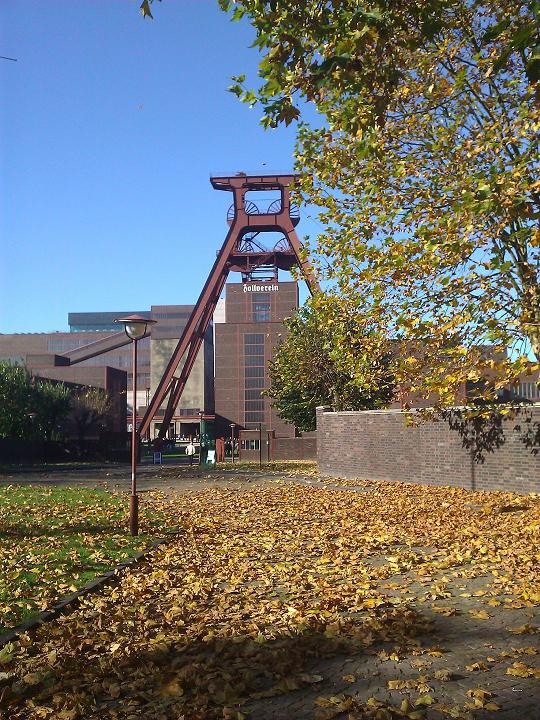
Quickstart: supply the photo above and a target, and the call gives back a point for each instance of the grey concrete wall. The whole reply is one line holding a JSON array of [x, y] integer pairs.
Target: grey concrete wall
[[161, 353], [379, 445]]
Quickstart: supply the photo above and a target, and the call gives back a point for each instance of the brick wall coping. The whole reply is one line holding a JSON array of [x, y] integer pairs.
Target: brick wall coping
[[413, 411]]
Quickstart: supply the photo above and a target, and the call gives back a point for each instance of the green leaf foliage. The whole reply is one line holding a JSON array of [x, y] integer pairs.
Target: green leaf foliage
[[308, 369], [36, 408], [424, 165], [16, 400], [52, 405]]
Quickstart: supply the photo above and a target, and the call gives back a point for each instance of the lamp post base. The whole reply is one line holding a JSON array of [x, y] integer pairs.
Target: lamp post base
[[134, 514]]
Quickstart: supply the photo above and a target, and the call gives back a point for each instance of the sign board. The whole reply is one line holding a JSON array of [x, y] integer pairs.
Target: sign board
[[261, 288]]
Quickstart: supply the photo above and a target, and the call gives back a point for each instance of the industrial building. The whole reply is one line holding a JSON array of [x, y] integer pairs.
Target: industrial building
[[244, 344], [44, 353], [247, 326]]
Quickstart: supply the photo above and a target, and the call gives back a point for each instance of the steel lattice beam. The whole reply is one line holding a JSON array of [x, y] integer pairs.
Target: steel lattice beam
[[171, 386]]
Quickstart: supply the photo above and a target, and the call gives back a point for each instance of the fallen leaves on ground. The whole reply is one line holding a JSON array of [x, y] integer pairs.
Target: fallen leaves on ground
[[262, 586], [53, 540]]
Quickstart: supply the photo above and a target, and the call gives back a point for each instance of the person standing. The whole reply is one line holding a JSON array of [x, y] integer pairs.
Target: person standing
[[220, 449], [190, 451]]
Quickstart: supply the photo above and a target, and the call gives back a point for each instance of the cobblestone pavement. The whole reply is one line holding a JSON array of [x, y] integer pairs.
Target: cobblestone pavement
[[468, 646]]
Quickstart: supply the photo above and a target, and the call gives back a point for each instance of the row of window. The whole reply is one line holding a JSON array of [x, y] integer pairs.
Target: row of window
[[254, 360], [529, 390], [93, 328], [254, 372], [250, 444], [260, 307], [252, 394], [143, 381], [62, 345], [254, 382], [254, 339], [254, 367], [165, 315]]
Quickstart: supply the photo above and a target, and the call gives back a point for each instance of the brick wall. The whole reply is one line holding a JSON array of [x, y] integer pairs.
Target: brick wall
[[378, 445], [293, 448]]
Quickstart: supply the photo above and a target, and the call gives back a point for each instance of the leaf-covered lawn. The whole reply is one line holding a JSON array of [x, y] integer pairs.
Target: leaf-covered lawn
[[302, 602], [53, 540]]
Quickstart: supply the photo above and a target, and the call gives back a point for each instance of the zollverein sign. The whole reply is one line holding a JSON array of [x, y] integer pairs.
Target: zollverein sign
[[261, 288]]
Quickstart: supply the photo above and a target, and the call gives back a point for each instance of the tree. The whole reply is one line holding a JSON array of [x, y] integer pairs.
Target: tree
[[30, 407], [16, 395], [307, 370], [89, 409], [52, 403], [424, 164]]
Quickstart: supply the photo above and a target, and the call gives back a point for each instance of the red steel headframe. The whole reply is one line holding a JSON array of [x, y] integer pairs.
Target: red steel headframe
[[242, 223]]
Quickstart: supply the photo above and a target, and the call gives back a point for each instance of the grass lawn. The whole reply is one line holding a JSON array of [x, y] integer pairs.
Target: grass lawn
[[53, 540]]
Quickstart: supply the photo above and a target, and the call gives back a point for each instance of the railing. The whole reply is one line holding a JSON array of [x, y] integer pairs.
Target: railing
[[261, 172], [273, 209]]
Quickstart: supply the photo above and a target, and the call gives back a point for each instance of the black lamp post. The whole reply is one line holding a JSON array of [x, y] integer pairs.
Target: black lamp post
[[200, 414], [135, 327], [233, 425]]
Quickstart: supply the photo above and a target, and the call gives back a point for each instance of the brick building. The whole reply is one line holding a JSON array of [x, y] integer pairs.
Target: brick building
[[244, 343], [42, 354]]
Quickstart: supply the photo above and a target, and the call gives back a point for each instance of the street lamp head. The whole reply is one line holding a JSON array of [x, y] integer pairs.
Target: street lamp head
[[135, 325]]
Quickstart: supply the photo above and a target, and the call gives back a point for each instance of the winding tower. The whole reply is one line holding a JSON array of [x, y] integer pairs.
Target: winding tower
[[245, 251]]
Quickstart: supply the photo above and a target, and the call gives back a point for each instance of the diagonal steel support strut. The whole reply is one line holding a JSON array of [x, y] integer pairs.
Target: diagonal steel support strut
[[171, 385]]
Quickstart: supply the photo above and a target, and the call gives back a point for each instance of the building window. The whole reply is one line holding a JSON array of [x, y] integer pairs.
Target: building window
[[254, 383], [254, 360], [173, 315], [260, 303], [253, 378], [64, 344], [529, 390], [250, 445], [254, 417]]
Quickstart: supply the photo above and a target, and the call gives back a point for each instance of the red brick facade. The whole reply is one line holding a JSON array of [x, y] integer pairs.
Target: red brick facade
[[247, 321]]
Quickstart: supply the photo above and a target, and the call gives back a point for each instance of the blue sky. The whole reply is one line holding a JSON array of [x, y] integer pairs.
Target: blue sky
[[109, 128]]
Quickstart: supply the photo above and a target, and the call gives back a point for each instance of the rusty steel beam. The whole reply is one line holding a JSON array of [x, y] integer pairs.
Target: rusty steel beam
[[242, 223], [193, 327], [98, 347], [180, 382]]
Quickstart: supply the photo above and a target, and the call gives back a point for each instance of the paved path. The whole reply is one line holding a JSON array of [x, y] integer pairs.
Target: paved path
[[457, 653], [166, 478], [467, 654]]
